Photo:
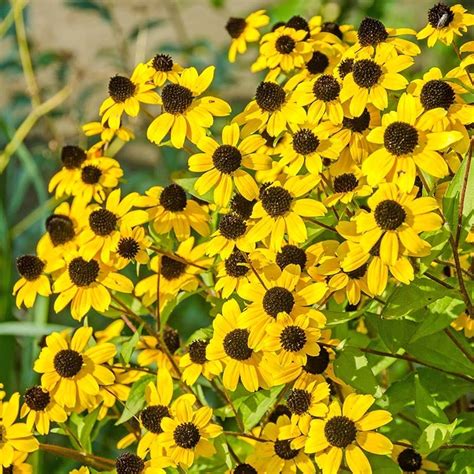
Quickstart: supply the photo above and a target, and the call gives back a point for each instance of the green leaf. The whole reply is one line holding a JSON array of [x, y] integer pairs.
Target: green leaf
[[101, 9], [434, 436], [188, 185], [438, 241], [340, 317], [136, 399], [86, 427], [427, 410], [256, 405], [129, 346], [352, 366], [463, 463], [452, 197], [395, 333]]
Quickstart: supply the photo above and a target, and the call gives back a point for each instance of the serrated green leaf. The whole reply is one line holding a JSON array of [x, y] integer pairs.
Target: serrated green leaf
[[434, 436], [426, 408], [136, 399]]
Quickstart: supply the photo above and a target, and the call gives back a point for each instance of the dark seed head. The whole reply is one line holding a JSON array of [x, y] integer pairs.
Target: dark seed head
[[72, 156], [102, 222], [128, 248], [197, 351], [60, 229], [437, 93], [305, 142], [345, 183], [270, 96], [121, 88], [269, 140], [278, 300], [171, 268], [83, 273], [227, 158], [30, 267], [236, 344], [186, 435], [276, 201], [68, 363], [128, 463], [235, 26], [91, 174], [330, 27], [419, 185], [236, 265], [345, 67], [292, 338], [326, 88], [358, 272], [173, 198], [375, 250], [171, 339], [176, 99], [318, 63], [291, 254], [151, 417], [299, 401], [440, 16], [232, 226], [283, 449], [278, 411], [366, 73], [371, 32], [163, 62], [400, 138], [244, 469], [357, 124], [241, 206], [317, 364], [298, 23], [409, 460], [9, 469], [389, 215], [37, 398], [285, 44], [277, 25], [340, 431]]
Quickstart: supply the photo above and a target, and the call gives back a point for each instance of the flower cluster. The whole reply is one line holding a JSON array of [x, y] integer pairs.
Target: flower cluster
[[320, 198]]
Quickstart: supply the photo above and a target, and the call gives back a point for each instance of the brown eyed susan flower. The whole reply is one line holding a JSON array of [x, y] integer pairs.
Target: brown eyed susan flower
[[164, 69], [185, 114], [464, 323], [107, 134], [411, 461], [126, 94], [224, 165], [132, 247], [129, 463], [232, 272], [445, 23], [331, 32], [195, 363], [71, 371], [18, 465], [345, 432], [243, 31]]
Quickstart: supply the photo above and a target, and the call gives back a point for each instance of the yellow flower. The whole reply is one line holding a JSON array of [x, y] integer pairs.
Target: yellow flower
[[223, 165], [280, 210], [100, 239], [164, 69], [169, 209], [196, 363], [41, 408], [409, 460], [444, 23], [72, 372], [369, 80], [331, 32], [85, 283], [232, 272], [348, 431], [185, 114], [230, 344], [18, 466], [126, 94], [107, 134], [407, 144], [464, 323], [132, 246], [283, 48], [186, 435], [243, 31], [16, 438]]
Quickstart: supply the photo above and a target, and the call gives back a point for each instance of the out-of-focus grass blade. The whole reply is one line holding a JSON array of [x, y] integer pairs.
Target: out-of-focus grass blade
[[28, 329]]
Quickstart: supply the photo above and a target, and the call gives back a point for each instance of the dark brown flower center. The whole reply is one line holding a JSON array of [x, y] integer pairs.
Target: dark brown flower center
[[173, 198], [400, 138], [60, 229], [29, 267], [340, 431], [326, 88], [276, 201], [244, 469], [358, 273], [171, 268], [128, 463], [121, 88], [331, 27], [437, 93], [283, 449], [235, 26], [305, 142], [317, 364], [83, 273], [357, 124], [366, 73], [151, 417], [37, 398], [102, 222], [91, 174], [232, 226], [163, 62], [292, 338], [128, 248], [197, 351], [227, 158], [186, 435], [241, 206], [297, 22], [318, 63], [72, 156], [68, 363], [176, 99], [389, 215], [236, 265], [285, 44], [291, 254], [278, 411], [299, 401], [171, 339], [236, 344], [270, 96], [345, 67], [278, 300], [371, 32], [345, 183], [409, 460], [440, 16]]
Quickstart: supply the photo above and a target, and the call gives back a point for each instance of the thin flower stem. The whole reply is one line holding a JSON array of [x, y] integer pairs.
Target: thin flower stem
[[133, 315], [244, 435], [458, 54], [451, 336], [158, 303], [178, 258], [253, 269], [321, 224], [238, 419], [450, 264], [440, 282], [462, 198], [445, 446], [125, 319], [462, 287], [232, 453], [406, 357], [97, 462]]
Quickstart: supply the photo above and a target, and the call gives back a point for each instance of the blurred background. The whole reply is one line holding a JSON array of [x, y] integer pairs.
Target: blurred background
[[67, 50]]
